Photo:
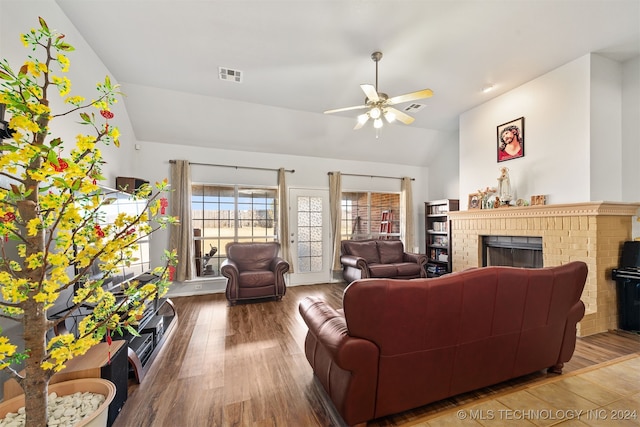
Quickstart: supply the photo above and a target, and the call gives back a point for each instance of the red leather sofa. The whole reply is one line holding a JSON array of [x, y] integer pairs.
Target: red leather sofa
[[362, 259], [400, 344]]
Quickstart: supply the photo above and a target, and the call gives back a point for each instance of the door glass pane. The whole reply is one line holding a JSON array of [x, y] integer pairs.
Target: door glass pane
[[316, 263], [309, 234]]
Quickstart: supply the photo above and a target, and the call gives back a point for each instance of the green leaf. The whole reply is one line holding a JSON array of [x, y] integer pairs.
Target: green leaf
[[8, 147], [65, 46], [5, 76], [52, 157], [43, 24], [85, 117], [61, 181], [55, 142], [133, 331]]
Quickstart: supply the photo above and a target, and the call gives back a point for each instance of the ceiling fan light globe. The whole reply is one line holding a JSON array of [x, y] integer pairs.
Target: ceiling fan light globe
[[377, 123], [375, 113], [390, 116]]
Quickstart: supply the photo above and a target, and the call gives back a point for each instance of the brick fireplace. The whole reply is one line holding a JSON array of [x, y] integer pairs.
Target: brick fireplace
[[592, 232]]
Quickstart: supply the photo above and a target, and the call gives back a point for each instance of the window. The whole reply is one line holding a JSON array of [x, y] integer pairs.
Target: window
[[228, 213], [367, 215]]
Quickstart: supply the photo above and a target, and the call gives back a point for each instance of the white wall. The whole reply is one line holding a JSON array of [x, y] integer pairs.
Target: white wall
[[630, 153], [573, 119], [443, 170], [606, 129]]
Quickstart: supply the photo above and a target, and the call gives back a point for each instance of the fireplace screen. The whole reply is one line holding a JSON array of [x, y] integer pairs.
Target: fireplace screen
[[512, 251]]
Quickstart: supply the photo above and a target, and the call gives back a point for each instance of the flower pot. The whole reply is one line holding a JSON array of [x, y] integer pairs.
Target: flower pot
[[92, 385]]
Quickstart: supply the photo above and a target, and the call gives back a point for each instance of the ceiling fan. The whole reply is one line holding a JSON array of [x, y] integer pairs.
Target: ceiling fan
[[380, 105]]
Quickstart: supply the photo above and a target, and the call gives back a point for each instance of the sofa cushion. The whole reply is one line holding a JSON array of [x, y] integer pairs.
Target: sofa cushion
[[391, 251], [408, 269], [252, 256], [254, 279], [365, 249], [383, 270]]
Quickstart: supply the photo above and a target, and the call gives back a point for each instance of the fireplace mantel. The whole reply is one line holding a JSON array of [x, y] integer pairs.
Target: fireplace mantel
[[569, 209], [592, 232]]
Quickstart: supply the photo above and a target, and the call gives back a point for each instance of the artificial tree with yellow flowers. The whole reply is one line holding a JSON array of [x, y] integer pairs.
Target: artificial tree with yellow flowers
[[50, 228]]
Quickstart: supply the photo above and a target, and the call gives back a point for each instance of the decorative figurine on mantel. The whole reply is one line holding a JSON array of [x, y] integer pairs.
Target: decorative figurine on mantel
[[484, 197], [504, 187]]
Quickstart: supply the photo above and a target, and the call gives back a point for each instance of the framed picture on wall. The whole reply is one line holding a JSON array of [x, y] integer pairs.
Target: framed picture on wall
[[511, 140], [475, 202]]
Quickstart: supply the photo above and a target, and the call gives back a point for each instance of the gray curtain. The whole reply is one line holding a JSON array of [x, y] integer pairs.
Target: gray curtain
[[283, 220], [181, 236], [335, 201], [407, 228]]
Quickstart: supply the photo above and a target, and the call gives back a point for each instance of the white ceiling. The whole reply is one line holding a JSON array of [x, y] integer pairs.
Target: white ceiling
[[301, 57]]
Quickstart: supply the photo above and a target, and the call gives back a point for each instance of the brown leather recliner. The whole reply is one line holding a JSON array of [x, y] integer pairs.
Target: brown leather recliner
[[254, 270]]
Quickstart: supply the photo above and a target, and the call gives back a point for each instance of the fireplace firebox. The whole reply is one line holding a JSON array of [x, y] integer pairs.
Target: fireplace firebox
[[512, 251]]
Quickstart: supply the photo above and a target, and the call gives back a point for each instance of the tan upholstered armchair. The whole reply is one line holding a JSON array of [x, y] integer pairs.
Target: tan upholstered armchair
[[254, 270]]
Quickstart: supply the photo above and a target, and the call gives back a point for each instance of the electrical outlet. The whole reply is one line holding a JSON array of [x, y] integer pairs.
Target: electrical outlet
[[196, 287]]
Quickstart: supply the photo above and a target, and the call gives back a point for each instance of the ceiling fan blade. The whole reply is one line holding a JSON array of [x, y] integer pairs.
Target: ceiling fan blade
[[361, 122], [337, 110], [371, 92], [424, 93], [401, 116]]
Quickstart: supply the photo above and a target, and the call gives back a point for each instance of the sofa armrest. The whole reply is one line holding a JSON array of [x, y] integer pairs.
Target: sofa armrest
[[354, 268], [229, 269], [354, 261], [279, 265], [330, 328], [420, 259], [576, 313], [412, 257], [346, 366]]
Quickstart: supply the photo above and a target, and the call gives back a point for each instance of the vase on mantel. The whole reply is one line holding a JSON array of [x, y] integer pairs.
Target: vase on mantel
[[92, 385]]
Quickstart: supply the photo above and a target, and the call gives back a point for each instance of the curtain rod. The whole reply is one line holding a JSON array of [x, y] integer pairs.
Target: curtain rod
[[237, 167], [370, 176]]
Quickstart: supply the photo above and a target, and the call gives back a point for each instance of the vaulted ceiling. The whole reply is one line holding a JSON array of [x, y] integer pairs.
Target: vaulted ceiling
[[301, 57]]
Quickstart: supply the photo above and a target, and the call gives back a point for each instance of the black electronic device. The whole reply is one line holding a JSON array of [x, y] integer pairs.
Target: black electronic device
[[117, 371], [142, 346]]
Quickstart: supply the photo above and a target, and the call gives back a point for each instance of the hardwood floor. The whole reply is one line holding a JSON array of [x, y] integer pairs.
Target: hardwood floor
[[244, 365]]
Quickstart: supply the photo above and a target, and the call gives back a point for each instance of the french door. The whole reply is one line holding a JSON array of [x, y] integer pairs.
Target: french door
[[310, 236]]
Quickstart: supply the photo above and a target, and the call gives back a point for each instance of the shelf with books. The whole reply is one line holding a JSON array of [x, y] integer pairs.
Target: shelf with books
[[438, 235]]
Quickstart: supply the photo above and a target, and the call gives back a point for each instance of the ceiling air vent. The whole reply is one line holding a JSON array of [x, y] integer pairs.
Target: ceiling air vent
[[230, 75], [414, 107]]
